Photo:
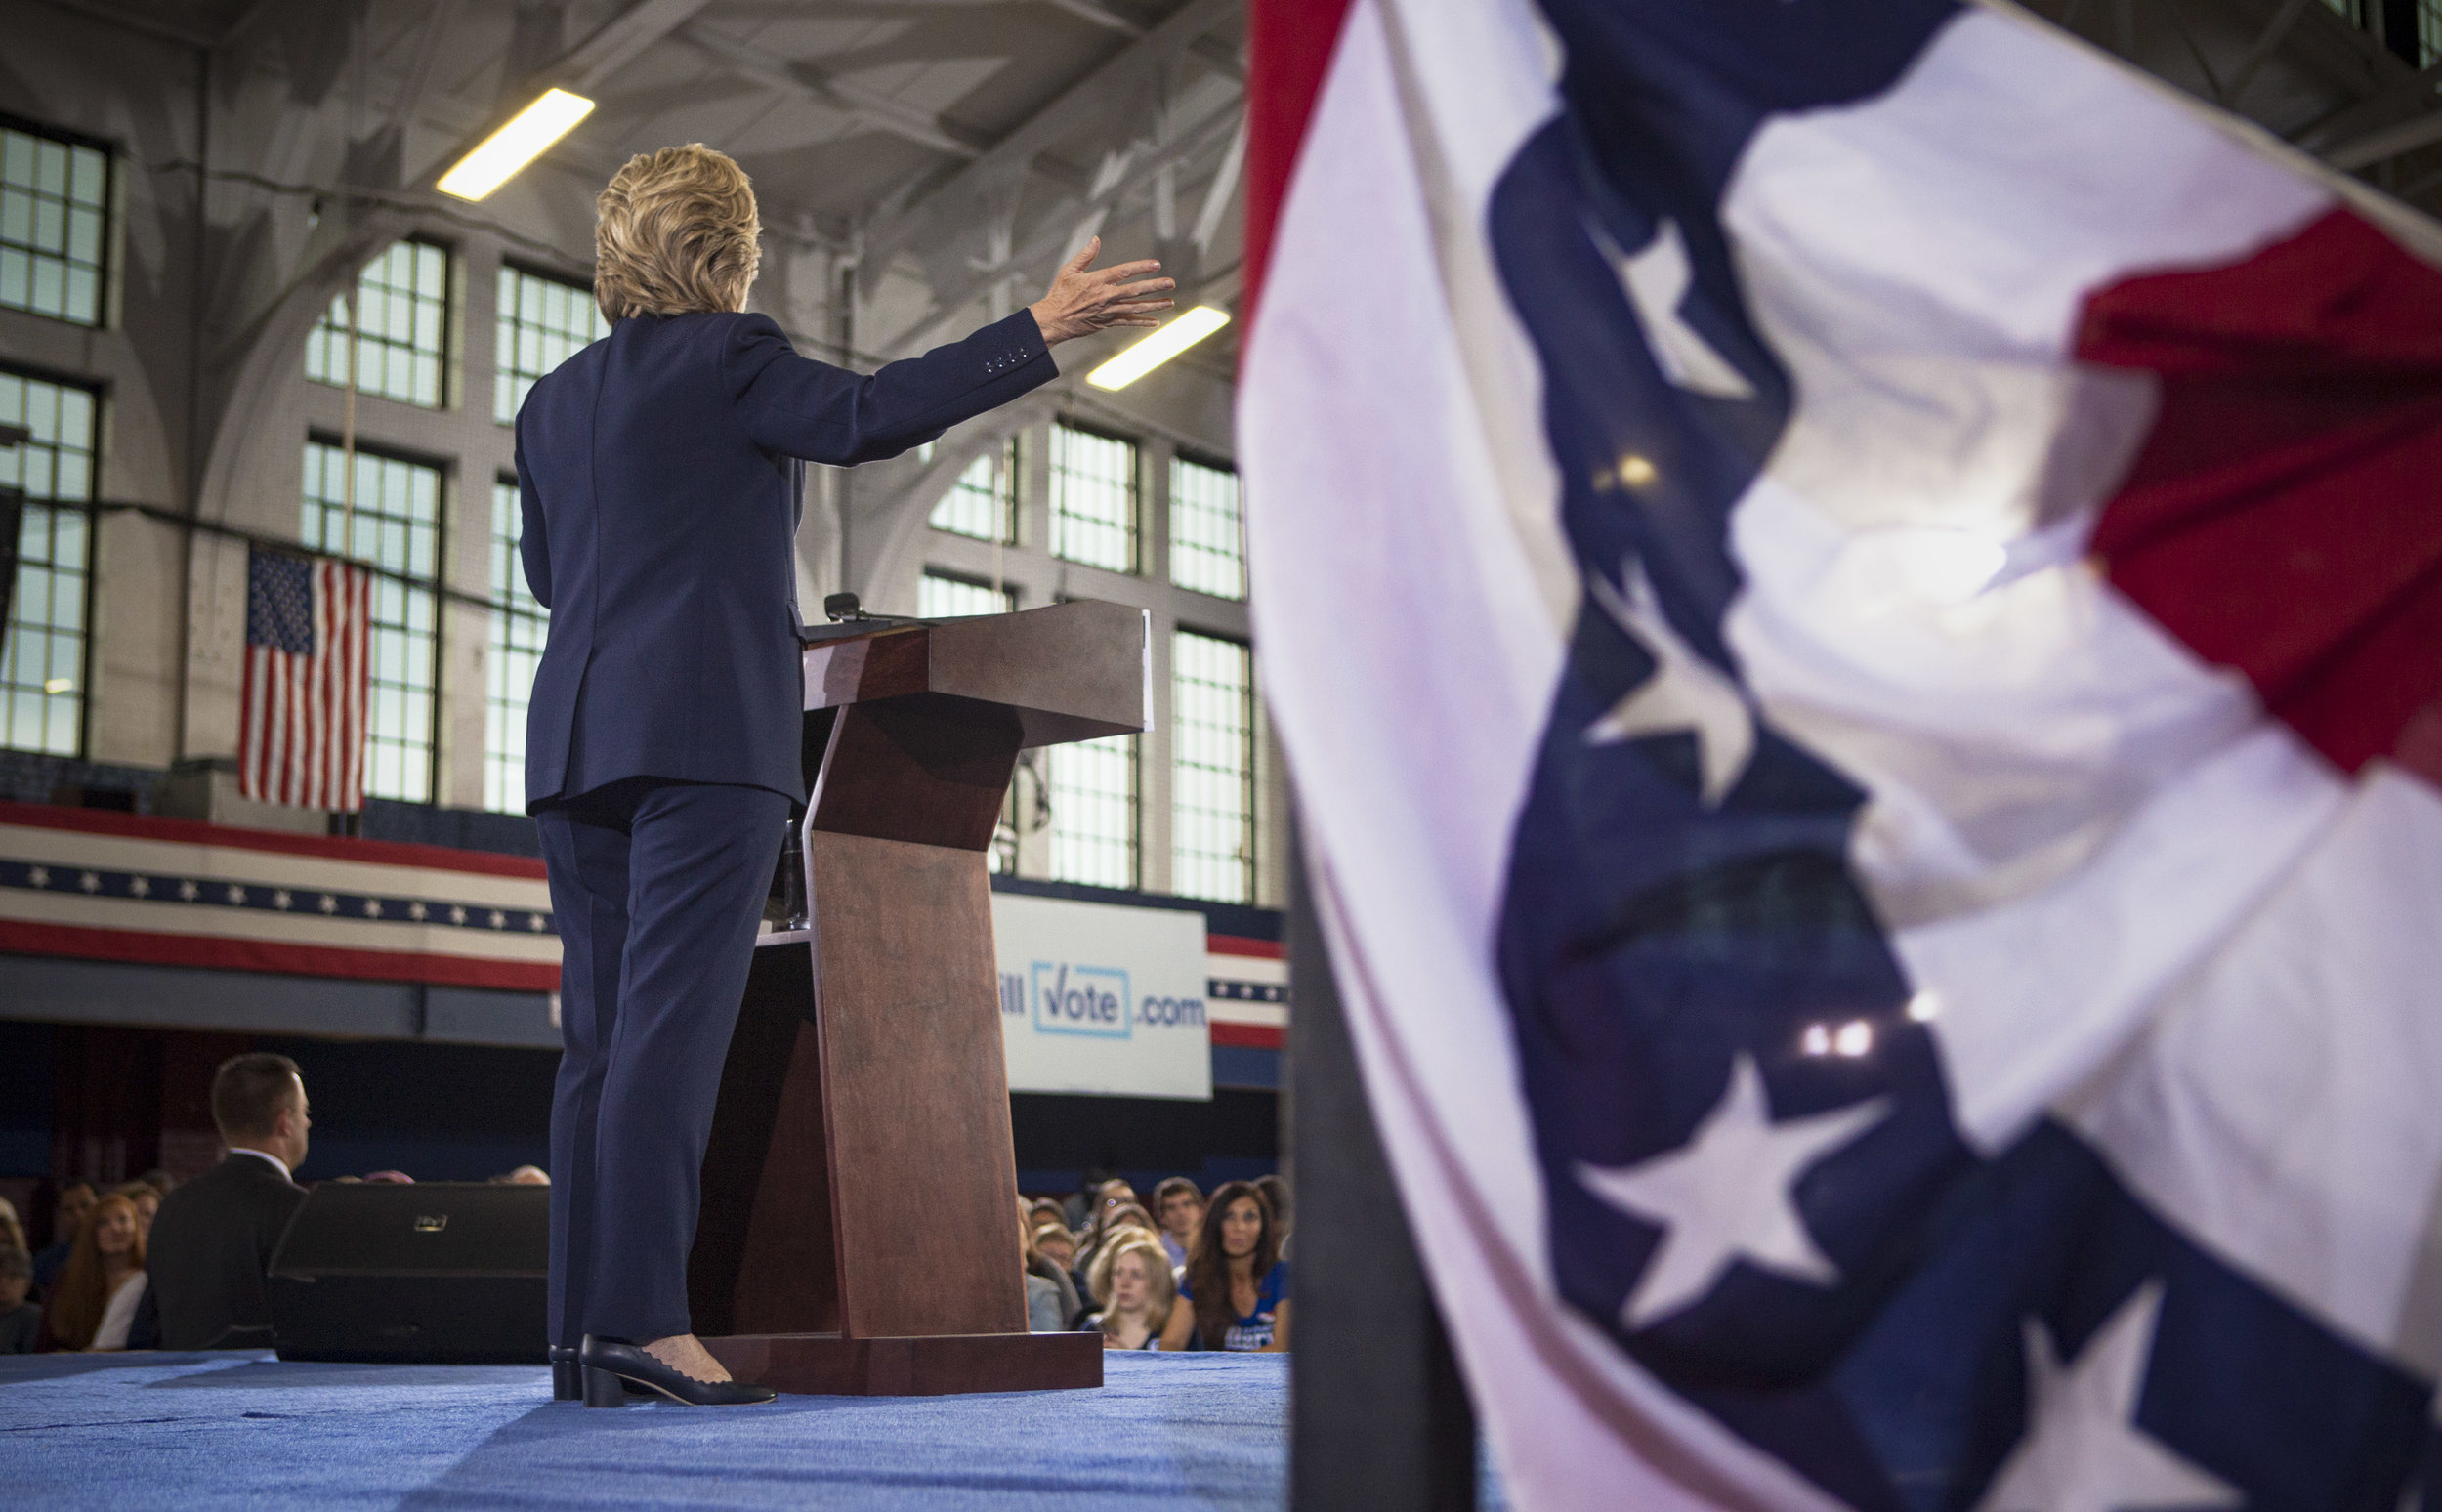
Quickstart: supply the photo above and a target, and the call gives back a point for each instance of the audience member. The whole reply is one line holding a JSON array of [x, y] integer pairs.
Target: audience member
[[1235, 1295], [94, 1305], [11, 1231], [159, 1179], [213, 1240], [1180, 1206], [1057, 1244], [21, 1320], [523, 1176], [1043, 1298], [76, 1198], [1133, 1288], [1127, 1218], [1043, 1267], [1274, 1191], [146, 1199], [393, 1178], [1045, 1210], [1079, 1210]]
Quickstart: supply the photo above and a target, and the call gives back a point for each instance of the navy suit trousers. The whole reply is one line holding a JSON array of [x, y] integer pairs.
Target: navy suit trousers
[[657, 887]]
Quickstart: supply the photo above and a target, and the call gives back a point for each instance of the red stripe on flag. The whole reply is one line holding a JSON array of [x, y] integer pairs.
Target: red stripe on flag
[[1289, 52], [17, 938], [353, 729], [2285, 517], [1251, 1037], [387, 853], [1240, 944]]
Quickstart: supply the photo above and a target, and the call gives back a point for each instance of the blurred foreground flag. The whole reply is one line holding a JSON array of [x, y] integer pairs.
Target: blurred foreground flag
[[1855, 596]]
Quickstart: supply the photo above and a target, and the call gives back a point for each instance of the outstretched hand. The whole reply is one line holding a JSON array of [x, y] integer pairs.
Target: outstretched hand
[[1081, 302]]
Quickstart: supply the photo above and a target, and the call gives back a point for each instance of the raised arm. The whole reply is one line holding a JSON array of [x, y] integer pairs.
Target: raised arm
[[804, 408]]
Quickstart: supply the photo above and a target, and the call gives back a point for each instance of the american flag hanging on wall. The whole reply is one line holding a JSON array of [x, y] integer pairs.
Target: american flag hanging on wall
[[301, 721]]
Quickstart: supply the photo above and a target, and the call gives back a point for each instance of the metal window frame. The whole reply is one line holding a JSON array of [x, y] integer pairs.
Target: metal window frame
[[91, 508], [105, 271]]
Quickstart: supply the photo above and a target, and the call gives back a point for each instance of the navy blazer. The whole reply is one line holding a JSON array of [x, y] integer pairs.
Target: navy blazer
[[660, 516]]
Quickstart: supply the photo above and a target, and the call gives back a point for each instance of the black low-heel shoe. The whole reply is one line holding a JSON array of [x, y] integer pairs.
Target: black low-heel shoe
[[612, 1365], [567, 1377]]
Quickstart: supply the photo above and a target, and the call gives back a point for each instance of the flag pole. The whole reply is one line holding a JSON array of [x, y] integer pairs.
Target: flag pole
[[1380, 1420]]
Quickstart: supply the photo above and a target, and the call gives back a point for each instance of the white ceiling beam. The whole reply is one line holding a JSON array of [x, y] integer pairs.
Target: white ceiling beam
[[2377, 146], [1053, 237], [804, 82], [587, 65], [1076, 106], [1097, 14]]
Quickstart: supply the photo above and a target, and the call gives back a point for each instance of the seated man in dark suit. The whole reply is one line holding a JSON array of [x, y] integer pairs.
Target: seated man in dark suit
[[213, 1238]]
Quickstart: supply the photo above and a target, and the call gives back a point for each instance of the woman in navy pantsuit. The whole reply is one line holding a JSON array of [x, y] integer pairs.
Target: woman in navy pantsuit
[[657, 469]]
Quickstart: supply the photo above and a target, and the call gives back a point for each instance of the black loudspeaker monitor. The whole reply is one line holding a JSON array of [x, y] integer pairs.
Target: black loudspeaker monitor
[[438, 1273]]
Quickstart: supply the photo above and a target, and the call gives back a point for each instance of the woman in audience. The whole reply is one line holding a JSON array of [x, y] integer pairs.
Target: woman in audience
[[146, 1199], [1132, 1284], [1180, 1206], [11, 1231], [1235, 1295], [94, 1302]]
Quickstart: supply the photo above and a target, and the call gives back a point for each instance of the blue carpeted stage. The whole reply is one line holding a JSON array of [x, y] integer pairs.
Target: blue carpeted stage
[[162, 1430]]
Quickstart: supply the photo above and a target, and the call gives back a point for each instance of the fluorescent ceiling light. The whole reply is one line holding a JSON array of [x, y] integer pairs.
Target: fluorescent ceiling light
[[502, 154], [1159, 348]]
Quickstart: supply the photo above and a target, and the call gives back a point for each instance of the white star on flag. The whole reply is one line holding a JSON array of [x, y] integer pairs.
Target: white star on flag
[[1686, 692], [38, 876], [2083, 1452], [139, 886], [416, 911], [236, 894], [1727, 1195], [281, 898], [372, 908], [1656, 278], [457, 915], [188, 890], [88, 882], [498, 919], [330, 904]]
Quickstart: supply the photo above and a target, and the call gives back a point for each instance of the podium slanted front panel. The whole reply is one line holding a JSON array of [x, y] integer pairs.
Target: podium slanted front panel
[[884, 1144]]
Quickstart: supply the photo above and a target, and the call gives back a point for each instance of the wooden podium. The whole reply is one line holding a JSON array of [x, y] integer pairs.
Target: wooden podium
[[858, 1227]]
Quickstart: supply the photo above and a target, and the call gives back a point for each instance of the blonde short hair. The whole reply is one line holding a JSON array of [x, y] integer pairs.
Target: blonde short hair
[[675, 231]]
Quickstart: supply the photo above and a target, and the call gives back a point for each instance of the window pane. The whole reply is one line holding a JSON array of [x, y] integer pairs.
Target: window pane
[[399, 736], [542, 322], [52, 225], [1207, 551], [42, 651], [517, 633], [1093, 812], [1093, 499], [1212, 776], [948, 598], [402, 316], [984, 501]]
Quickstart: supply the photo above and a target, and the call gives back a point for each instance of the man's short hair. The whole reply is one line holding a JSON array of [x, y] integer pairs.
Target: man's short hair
[[16, 1262], [250, 1093], [675, 231]]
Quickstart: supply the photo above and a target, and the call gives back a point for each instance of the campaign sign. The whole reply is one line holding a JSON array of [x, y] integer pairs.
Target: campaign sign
[[1100, 998]]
